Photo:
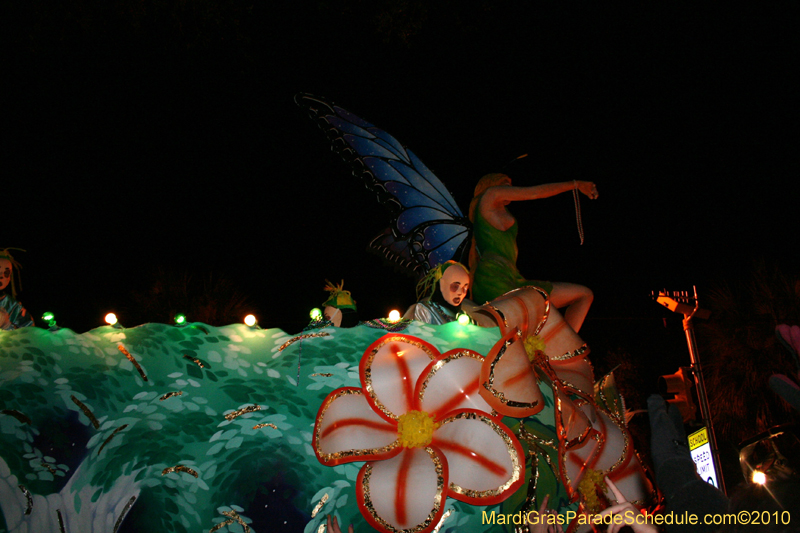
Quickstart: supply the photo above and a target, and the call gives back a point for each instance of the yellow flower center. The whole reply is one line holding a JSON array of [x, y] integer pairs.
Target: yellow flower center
[[533, 346], [593, 482], [415, 429]]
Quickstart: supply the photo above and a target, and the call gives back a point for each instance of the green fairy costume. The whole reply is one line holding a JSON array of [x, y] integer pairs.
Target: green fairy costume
[[496, 271]]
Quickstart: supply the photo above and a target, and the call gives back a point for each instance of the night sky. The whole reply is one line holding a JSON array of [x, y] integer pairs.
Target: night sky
[[141, 135]]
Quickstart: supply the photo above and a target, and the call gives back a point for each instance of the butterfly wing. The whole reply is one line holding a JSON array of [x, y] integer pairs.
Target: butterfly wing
[[427, 227]]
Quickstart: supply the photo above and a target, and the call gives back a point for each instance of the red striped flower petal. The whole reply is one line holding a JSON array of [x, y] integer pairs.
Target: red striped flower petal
[[389, 371], [508, 380], [348, 429], [405, 493], [452, 383], [486, 460]]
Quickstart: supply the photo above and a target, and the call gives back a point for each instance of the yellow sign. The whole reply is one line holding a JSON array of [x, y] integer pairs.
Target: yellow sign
[[698, 438]]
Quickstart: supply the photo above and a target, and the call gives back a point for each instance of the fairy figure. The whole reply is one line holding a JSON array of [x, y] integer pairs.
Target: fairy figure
[[340, 307], [12, 314], [440, 294], [493, 255], [427, 227]]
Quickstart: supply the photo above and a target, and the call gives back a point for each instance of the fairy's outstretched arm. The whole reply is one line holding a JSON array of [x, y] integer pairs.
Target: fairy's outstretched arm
[[503, 194], [576, 298]]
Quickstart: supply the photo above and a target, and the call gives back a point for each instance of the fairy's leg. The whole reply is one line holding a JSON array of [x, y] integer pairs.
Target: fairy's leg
[[576, 298]]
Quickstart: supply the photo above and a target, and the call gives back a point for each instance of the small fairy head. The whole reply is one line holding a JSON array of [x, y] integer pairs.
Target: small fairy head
[[451, 279], [7, 266], [340, 305]]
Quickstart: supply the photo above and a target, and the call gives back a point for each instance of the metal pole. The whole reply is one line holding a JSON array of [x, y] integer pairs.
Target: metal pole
[[702, 397]]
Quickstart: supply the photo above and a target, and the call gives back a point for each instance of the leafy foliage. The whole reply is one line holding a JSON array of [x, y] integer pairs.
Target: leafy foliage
[[81, 426]]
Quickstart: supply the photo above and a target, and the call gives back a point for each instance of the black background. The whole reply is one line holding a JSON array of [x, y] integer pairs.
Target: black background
[[151, 134]]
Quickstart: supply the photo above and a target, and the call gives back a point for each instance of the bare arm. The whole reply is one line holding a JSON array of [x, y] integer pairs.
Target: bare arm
[[492, 205], [505, 194]]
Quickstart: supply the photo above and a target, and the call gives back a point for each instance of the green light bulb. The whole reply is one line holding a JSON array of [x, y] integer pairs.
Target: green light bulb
[[180, 320], [315, 314]]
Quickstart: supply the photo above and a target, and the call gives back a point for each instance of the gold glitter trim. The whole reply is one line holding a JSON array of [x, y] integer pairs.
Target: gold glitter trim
[[337, 456], [86, 411], [500, 354], [28, 498], [445, 516], [561, 431], [171, 394], [536, 450], [301, 337], [438, 500], [533, 458], [617, 410], [569, 355], [132, 360], [517, 465], [546, 297], [536, 440], [124, 513], [49, 468], [265, 425], [601, 441], [499, 313], [233, 515], [323, 374], [573, 389], [16, 414], [221, 525], [242, 411], [489, 385], [114, 434], [194, 360], [580, 438], [179, 468], [319, 505], [548, 460], [625, 447], [601, 392], [383, 341], [578, 403], [546, 314]]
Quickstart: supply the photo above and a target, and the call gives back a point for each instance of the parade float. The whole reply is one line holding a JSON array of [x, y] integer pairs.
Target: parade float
[[404, 425]]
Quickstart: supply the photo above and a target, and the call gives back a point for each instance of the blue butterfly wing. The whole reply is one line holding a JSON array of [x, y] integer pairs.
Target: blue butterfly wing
[[427, 227], [427, 175], [370, 147], [445, 241]]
